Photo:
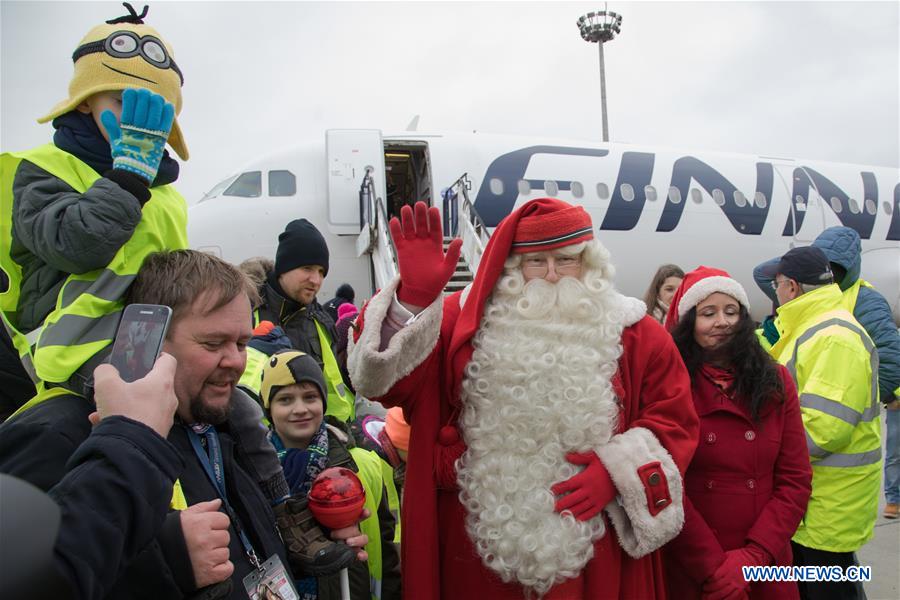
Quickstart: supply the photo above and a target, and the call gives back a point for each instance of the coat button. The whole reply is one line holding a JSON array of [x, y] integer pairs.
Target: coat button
[[751, 483], [711, 438], [653, 479], [709, 485], [749, 435]]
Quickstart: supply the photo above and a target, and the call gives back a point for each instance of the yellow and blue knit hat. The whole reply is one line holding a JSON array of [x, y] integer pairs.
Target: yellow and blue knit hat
[[124, 53]]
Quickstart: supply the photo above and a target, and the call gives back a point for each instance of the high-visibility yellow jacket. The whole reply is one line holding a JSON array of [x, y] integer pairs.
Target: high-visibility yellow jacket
[[835, 365], [89, 305]]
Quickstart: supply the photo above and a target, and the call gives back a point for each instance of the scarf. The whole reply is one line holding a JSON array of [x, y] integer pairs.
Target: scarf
[[302, 466], [721, 378], [78, 134]]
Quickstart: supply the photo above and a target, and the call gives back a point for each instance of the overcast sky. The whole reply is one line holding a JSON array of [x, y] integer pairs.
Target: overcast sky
[[817, 80]]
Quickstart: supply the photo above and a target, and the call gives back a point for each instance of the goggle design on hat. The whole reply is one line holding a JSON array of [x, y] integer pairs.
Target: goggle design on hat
[[125, 44]]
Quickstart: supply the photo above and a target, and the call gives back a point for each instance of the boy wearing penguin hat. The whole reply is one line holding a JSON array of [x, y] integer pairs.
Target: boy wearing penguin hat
[[87, 208], [294, 395]]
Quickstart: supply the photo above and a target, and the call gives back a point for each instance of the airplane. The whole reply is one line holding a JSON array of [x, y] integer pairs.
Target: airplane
[[649, 205]]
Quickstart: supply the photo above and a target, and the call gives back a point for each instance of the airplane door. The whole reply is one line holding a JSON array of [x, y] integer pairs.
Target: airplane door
[[349, 153]]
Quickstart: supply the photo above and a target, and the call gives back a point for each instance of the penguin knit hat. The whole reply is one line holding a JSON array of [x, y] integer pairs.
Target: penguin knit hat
[[124, 53], [288, 368], [697, 286], [300, 245]]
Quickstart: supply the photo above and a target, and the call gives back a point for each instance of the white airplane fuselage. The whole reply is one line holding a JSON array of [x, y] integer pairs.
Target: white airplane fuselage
[[649, 205]]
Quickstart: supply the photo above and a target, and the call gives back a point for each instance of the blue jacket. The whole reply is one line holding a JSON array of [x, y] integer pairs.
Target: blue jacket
[[842, 246]]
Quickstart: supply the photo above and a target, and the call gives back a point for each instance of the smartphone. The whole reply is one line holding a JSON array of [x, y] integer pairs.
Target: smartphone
[[139, 339]]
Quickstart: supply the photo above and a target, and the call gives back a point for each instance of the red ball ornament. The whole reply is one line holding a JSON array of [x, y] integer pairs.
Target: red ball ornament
[[337, 497]]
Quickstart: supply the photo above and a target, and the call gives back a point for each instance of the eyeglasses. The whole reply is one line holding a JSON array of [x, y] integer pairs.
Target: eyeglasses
[[125, 44], [539, 266], [775, 283]]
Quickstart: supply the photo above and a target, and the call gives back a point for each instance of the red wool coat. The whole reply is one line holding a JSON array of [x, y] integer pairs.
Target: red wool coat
[[438, 558], [747, 482]]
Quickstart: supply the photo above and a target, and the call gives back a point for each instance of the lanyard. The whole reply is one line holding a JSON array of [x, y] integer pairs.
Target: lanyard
[[215, 470]]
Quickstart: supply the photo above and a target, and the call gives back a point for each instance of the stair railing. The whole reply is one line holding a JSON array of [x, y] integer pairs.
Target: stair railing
[[463, 221]]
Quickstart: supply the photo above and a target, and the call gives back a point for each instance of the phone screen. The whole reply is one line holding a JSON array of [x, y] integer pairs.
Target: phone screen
[[139, 339]]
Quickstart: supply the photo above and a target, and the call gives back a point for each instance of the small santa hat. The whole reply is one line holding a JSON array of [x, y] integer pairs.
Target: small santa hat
[[697, 286]]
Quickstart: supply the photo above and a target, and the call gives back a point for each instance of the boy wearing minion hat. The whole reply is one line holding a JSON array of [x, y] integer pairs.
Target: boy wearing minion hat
[[80, 214], [294, 399]]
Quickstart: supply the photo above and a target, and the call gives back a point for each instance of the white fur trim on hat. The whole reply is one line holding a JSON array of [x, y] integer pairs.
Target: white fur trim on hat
[[710, 285]]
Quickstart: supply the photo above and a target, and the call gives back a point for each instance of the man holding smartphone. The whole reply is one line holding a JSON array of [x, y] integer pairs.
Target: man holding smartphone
[[218, 538]]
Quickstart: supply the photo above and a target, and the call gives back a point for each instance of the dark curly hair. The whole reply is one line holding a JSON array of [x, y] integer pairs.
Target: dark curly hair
[[756, 378]]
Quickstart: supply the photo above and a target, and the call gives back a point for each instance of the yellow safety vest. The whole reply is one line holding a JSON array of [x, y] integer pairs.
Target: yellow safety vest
[[834, 364], [251, 380], [89, 305], [393, 497], [341, 401], [371, 476]]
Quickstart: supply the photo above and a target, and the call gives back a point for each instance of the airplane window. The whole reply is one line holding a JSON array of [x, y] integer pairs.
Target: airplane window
[[718, 197], [799, 203], [577, 189], [761, 200], [886, 206], [835, 205], [602, 191], [696, 195], [282, 183], [247, 185], [496, 186], [854, 206], [218, 188], [740, 199], [674, 195], [650, 193], [524, 187], [870, 206], [551, 188], [627, 192]]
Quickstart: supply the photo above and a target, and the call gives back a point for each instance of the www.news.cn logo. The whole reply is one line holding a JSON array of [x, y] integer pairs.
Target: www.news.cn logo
[[808, 573]]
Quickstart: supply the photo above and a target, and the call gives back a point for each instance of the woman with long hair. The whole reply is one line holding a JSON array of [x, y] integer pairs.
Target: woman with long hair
[[748, 484], [661, 290]]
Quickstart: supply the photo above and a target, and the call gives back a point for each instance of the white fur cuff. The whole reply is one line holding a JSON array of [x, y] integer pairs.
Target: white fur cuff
[[649, 511], [374, 371]]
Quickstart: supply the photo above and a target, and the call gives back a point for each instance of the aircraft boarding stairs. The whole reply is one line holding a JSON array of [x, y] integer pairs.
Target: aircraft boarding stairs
[[459, 220]]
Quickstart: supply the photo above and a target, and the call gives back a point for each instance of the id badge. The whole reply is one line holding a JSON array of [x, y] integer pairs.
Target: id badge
[[271, 582]]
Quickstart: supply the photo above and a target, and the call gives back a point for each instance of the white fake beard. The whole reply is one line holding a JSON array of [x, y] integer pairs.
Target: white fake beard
[[538, 386]]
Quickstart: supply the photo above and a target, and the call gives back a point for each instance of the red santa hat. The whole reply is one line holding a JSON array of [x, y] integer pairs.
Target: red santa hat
[[697, 286], [538, 225]]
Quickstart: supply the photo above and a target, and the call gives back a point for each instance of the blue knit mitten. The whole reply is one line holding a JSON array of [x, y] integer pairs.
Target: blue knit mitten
[[139, 138]]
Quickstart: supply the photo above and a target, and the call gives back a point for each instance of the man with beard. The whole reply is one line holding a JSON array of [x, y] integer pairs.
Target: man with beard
[[551, 420], [225, 527]]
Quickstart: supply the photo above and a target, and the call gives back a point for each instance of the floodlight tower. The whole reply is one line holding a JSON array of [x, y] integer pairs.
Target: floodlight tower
[[600, 27]]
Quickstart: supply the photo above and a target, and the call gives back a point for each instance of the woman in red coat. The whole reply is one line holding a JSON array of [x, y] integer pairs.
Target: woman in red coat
[[748, 484]]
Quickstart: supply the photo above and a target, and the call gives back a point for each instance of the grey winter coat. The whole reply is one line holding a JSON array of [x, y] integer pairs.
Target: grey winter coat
[[57, 232], [842, 246]]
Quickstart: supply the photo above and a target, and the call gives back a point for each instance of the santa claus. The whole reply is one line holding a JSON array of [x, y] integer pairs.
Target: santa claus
[[551, 420]]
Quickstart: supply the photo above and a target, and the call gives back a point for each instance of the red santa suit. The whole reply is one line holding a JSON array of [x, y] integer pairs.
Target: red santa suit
[[422, 368]]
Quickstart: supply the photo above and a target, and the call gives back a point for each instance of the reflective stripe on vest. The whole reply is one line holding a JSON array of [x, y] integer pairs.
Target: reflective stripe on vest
[[341, 402], [370, 474], [89, 305]]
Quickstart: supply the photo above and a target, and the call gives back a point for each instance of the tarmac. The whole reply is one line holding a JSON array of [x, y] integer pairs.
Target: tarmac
[[882, 553]]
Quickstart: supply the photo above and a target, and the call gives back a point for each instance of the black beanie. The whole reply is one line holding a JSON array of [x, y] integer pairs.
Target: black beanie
[[300, 245], [345, 291]]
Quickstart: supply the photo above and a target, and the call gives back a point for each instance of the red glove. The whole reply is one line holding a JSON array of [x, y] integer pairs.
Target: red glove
[[727, 582], [590, 490], [424, 268]]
